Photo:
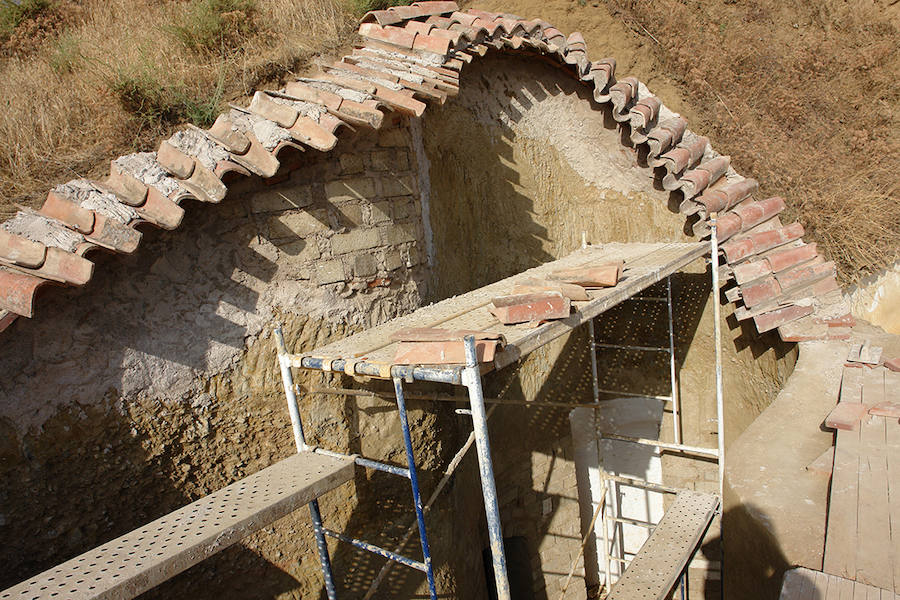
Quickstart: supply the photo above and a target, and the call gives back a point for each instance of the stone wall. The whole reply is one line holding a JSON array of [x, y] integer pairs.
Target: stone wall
[[157, 383]]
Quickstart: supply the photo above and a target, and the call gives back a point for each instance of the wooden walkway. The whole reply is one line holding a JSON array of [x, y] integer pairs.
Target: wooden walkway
[[645, 264], [137, 561], [806, 584], [863, 532]]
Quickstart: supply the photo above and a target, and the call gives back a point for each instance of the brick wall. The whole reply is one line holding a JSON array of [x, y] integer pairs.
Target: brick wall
[[351, 218]]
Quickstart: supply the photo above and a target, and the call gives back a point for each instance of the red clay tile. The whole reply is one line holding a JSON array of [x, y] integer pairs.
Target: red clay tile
[[437, 44], [307, 93], [441, 353], [695, 181], [161, 211], [65, 267], [204, 185], [754, 213], [846, 415], [605, 275], [111, 234], [463, 18], [436, 7], [776, 318], [845, 320], [389, 34], [78, 218], [174, 161], [727, 225], [129, 189], [784, 259], [21, 251], [282, 114], [434, 334], [17, 292], [257, 159], [764, 291], [418, 27], [666, 135], [888, 408], [309, 132], [382, 17], [223, 132], [527, 308], [804, 274], [760, 242], [722, 198], [893, 364], [748, 271], [569, 290], [678, 159]]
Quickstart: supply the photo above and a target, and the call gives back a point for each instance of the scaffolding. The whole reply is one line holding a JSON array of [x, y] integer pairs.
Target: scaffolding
[[370, 353]]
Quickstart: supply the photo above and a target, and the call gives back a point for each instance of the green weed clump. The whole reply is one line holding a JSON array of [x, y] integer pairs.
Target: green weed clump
[[215, 26], [13, 12], [66, 55], [154, 103], [361, 7]]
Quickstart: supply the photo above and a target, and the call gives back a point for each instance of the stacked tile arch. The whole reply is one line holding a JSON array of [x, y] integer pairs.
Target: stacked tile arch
[[412, 56]]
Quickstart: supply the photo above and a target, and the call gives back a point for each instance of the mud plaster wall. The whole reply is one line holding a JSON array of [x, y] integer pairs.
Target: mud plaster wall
[[157, 383], [521, 163]]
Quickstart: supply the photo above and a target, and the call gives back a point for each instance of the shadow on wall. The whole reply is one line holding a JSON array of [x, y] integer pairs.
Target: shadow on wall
[[171, 329]]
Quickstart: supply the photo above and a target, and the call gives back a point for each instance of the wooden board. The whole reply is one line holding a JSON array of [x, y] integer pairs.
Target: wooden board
[[645, 264], [142, 559], [863, 531], [654, 571], [805, 584], [840, 535]]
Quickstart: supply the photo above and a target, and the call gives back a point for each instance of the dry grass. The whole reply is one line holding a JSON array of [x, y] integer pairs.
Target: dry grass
[[804, 96], [119, 78]]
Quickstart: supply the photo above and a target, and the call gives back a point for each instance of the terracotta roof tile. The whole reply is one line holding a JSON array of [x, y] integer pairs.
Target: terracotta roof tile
[[392, 35], [97, 228], [17, 291], [682, 156], [739, 249], [720, 198], [781, 316], [695, 181], [666, 135], [643, 116], [416, 51], [19, 250]]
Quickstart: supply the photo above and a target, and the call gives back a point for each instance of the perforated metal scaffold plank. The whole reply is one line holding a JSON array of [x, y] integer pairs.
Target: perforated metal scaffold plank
[[654, 572], [644, 265], [141, 559]]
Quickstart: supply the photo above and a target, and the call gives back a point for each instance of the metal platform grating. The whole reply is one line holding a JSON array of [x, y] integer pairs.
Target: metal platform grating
[[141, 559], [654, 572], [645, 264]]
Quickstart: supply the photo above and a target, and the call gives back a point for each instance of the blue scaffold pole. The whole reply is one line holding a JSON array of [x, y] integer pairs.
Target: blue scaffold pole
[[414, 482]]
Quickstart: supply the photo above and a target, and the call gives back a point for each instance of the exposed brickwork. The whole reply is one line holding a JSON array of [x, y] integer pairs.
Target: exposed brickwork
[[352, 217]]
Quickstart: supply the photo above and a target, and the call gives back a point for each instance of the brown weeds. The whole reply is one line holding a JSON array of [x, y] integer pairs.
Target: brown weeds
[[804, 96], [119, 78]]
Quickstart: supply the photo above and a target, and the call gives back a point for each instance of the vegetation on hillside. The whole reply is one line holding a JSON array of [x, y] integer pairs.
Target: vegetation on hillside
[[804, 96], [107, 77]]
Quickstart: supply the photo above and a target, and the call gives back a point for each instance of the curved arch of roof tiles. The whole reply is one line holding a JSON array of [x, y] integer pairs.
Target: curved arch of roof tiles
[[412, 56]]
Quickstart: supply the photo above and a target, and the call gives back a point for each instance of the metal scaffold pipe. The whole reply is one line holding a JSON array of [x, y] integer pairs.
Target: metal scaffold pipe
[[472, 380]]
